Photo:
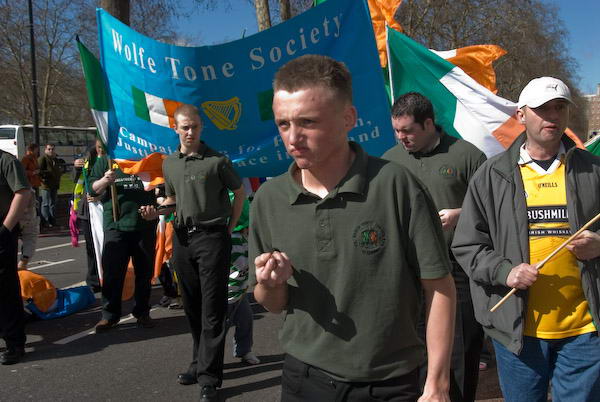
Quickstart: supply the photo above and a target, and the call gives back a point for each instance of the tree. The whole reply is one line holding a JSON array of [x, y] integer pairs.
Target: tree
[[268, 12], [530, 30], [62, 96]]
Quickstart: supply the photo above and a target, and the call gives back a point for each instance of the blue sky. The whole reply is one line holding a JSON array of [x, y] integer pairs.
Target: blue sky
[[581, 18]]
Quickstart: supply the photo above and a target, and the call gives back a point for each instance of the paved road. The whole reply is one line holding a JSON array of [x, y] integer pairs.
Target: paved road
[[67, 362]]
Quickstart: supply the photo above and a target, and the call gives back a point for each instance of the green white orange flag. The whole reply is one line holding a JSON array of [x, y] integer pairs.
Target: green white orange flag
[[593, 145], [98, 94], [463, 107], [476, 61], [153, 108]]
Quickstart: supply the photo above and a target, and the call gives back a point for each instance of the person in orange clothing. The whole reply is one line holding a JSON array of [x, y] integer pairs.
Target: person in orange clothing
[[30, 224], [30, 163]]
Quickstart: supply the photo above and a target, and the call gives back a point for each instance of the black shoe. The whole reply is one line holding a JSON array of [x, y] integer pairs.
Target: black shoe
[[208, 393], [145, 322], [104, 325], [187, 378], [12, 356]]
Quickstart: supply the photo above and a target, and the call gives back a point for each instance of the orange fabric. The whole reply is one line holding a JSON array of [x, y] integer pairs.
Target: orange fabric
[[30, 164], [149, 169], [38, 289], [511, 128], [170, 107], [164, 247], [508, 131], [129, 283], [382, 13], [477, 61]]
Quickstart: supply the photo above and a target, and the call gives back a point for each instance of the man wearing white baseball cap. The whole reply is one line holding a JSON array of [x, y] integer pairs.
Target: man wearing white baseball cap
[[520, 206]]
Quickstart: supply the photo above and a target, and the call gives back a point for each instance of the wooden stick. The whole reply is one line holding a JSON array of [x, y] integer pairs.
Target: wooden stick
[[113, 194], [540, 264]]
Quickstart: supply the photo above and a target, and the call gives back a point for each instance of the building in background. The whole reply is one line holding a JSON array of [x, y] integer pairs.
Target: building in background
[[593, 112]]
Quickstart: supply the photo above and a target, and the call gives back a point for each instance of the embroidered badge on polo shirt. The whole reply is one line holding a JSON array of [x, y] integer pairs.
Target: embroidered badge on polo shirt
[[447, 171], [369, 237]]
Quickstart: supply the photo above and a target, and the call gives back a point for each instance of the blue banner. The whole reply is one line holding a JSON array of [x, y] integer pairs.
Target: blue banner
[[231, 86]]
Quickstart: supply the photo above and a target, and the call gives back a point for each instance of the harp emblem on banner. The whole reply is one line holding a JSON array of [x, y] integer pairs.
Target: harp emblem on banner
[[224, 114]]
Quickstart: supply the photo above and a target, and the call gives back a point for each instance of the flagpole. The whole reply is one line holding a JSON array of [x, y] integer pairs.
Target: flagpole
[[113, 194], [540, 264]]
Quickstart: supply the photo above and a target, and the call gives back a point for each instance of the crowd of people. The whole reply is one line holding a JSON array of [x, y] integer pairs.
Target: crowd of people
[[386, 268]]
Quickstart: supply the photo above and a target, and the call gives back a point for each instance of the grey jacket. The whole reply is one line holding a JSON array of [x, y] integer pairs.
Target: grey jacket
[[492, 236]]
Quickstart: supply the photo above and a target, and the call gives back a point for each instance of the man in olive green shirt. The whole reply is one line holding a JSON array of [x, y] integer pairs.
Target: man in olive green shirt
[[14, 197], [128, 237], [445, 165], [197, 180], [345, 243]]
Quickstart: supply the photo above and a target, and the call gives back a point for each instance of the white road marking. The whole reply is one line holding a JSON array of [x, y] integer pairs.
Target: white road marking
[[57, 246], [50, 264], [92, 331]]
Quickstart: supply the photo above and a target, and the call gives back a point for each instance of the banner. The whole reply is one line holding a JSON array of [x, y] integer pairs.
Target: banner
[[231, 86]]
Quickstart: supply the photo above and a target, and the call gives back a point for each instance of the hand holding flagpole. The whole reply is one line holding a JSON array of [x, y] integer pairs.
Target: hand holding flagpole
[[540, 264], [113, 194]]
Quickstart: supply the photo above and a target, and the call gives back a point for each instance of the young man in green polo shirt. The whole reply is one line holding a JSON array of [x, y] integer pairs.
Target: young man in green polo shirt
[[129, 237], [14, 197], [346, 244], [197, 180], [445, 165]]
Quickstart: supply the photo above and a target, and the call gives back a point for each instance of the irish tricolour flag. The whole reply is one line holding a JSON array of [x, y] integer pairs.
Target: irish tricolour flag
[[463, 107], [154, 109], [98, 95]]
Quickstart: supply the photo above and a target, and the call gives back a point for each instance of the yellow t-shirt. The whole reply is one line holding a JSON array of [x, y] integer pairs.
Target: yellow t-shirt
[[556, 306]]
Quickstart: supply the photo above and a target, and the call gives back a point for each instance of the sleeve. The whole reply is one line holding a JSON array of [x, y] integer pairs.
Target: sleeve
[[97, 172], [44, 171], [427, 247], [259, 239], [16, 177], [228, 175], [76, 174], [472, 245], [169, 189]]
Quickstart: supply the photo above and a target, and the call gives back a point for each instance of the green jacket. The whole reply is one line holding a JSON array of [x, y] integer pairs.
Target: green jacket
[[492, 236], [49, 172]]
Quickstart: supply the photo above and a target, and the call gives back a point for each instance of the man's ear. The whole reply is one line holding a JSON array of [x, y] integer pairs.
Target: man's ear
[[350, 115], [521, 116], [429, 125]]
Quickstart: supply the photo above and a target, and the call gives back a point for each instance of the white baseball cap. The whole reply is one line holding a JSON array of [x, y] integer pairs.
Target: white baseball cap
[[543, 89]]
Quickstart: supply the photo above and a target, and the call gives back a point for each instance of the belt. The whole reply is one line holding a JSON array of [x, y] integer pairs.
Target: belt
[[204, 228]]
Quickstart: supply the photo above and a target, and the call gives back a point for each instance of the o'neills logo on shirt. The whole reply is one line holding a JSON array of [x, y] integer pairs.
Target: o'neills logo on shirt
[[547, 214], [547, 185], [369, 237]]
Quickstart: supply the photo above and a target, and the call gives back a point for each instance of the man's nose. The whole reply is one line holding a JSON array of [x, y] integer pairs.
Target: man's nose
[[294, 134]]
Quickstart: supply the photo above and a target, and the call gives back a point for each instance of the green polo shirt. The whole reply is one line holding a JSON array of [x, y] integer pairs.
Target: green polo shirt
[[12, 179], [130, 197], [200, 184], [358, 257], [445, 170]]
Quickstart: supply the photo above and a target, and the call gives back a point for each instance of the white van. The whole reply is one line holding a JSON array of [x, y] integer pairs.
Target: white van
[[12, 140], [70, 142]]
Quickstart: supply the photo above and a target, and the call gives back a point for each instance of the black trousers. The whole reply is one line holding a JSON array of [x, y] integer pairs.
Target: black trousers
[[302, 382], [471, 335], [91, 277], [468, 340], [201, 261], [12, 318], [119, 247]]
